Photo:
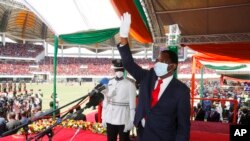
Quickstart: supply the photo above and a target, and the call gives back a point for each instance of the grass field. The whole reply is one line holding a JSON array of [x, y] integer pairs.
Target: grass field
[[65, 92]]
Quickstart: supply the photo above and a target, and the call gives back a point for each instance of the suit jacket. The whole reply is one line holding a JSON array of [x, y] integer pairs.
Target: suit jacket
[[12, 124], [2, 126], [200, 115], [169, 119], [213, 116], [57, 112], [78, 115]]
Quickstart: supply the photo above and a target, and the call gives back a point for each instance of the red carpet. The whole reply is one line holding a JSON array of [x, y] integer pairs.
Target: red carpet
[[63, 134], [66, 134], [200, 131], [91, 116], [206, 136], [211, 127]]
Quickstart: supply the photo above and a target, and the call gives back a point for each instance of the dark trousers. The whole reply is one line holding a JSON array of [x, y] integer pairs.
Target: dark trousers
[[114, 130]]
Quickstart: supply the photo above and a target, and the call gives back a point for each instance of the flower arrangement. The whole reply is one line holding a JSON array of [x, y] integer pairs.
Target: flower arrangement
[[98, 128], [42, 124]]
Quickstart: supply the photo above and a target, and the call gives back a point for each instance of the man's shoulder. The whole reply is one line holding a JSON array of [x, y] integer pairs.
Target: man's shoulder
[[181, 84], [48, 110], [12, 122], [2, 120]]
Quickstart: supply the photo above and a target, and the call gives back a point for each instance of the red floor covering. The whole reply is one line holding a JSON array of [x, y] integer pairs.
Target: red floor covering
[[200, 131], [65, 134]]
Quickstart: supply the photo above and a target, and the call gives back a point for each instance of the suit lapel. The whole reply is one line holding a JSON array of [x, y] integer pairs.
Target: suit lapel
[[154, 79], [168, 89]]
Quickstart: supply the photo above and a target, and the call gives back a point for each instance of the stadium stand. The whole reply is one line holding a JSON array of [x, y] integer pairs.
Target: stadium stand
[[73, 66], [20, 50], [66, 65]]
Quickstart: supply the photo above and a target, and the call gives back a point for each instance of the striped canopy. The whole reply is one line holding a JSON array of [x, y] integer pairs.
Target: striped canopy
[[90, 21]]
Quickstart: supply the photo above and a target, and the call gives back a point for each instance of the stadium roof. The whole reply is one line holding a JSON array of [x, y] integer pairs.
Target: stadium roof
[[201, 21], [19, 22]]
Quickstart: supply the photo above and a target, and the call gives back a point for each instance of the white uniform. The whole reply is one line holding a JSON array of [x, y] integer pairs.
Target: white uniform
[[119, 103]]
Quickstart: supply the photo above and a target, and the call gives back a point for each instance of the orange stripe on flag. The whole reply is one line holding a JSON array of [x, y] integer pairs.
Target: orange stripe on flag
[[138, 29]]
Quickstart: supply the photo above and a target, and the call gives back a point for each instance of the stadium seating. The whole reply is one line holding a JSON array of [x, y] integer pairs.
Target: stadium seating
[[20, 50], [72, 66], [67, 65]]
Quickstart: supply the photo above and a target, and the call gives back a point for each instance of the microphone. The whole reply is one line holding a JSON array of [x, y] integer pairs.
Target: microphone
[[95, 96], [99, 87]]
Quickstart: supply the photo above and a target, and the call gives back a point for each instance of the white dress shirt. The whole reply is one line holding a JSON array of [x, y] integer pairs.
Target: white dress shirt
[[165, 83]]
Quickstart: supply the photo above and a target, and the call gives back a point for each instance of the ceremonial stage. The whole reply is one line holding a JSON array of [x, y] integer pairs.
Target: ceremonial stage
[[200, 131], [64, 134]]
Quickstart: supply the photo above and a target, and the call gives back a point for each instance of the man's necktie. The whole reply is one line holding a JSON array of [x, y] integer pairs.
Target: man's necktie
[[155, 93]]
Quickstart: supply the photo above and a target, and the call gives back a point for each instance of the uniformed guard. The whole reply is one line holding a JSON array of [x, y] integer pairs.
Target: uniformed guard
[[19, 87], [4, 87], [119, 105]]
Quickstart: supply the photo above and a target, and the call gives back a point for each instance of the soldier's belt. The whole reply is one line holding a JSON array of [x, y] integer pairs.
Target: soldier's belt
[[118, 103]]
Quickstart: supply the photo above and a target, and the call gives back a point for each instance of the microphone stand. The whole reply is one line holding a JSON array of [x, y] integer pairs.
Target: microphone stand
[[49, 131], [25, 126]]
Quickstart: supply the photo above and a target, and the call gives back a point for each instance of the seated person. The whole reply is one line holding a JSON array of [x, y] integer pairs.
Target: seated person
[[48, 113], [213, 115], [38, 112], [13, 123], [2, 122], [200, 113], [78, 115], [69, 115], [245, 117], [24, 119]]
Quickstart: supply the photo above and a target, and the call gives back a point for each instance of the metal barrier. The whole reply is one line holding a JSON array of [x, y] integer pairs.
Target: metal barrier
[[216, 99]]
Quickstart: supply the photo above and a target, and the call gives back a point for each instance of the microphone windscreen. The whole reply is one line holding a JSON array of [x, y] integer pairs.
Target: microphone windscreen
[[104, 81]]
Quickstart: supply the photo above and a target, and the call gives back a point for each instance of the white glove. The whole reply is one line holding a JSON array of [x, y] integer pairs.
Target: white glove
[[143, 122], [125, 25], [128, 126], [130, 123], [104, 124]]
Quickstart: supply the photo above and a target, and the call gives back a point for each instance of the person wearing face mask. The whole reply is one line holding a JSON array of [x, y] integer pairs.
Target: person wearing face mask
[[119, 105], [213, 115], [163, 110]]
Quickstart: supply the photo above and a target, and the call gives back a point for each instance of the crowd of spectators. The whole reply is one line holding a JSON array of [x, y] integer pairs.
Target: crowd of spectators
[[79, 66], [16, 110], [185, 67], [68, 65], [19, 106], [20, 50], [12, 67], [219, 110]]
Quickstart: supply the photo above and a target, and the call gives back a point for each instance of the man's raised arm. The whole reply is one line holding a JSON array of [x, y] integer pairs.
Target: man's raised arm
[[128, 62]]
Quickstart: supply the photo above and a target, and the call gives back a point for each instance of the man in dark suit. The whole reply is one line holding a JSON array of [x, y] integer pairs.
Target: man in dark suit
[[2, 122], [213, 115], [78, 115], [166, 115], [13, 123], [200, 113], [48, 113]]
